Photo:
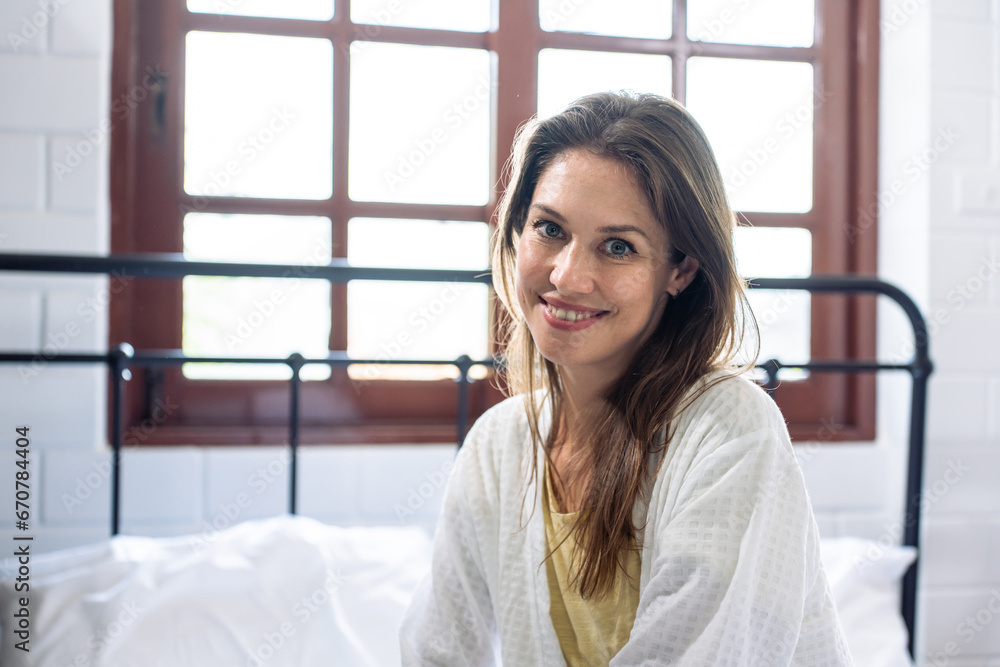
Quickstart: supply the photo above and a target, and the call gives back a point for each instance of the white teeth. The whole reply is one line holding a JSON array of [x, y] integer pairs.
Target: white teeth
[[569, 315]]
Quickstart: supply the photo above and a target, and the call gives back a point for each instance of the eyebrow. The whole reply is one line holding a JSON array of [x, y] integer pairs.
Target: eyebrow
[[607, 229]]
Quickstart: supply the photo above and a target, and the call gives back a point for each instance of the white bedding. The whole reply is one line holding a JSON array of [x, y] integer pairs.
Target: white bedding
[[283, 591], [865, 579], [293, 591]]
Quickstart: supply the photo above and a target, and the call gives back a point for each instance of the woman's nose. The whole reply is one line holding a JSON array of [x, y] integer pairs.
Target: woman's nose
[[573, 270]]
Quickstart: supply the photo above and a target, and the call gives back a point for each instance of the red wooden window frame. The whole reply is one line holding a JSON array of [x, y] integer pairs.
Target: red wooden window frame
[[148, 198]]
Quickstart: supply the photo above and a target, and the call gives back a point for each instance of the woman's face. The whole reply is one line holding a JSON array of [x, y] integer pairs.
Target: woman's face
[[592, 270]]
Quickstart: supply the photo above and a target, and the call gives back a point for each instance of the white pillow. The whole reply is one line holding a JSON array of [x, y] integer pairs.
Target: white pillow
[[865, 579], [283, 591]]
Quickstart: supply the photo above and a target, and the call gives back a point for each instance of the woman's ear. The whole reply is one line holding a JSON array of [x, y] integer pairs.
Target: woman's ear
[[683, 273]]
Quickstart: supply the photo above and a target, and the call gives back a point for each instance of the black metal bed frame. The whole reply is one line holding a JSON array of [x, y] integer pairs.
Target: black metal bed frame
[[119, 361]]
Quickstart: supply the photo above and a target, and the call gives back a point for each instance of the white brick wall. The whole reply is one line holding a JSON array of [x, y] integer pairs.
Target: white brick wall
[[20, 328], [22, 33], [22, 182], [54, 94], [961, 558], [940, 70]]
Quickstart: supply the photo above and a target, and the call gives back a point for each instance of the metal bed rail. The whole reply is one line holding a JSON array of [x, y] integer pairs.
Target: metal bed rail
[[120, 361]]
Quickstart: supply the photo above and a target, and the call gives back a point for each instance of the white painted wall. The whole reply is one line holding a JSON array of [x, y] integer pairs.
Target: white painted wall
[[939, 235]]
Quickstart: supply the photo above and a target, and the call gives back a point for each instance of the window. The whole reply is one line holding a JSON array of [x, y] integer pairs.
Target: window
[[376, 131]]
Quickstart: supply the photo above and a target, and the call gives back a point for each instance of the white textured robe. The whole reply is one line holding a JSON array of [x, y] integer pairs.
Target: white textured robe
[[731, 571]]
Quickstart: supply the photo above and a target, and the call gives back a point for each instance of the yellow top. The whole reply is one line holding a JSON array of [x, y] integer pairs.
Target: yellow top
[[592, 631]]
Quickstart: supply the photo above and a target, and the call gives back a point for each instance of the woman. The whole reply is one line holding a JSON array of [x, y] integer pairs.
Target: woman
[[633, 501]]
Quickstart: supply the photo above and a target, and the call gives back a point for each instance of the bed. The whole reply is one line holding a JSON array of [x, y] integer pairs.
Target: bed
[[290, 590]]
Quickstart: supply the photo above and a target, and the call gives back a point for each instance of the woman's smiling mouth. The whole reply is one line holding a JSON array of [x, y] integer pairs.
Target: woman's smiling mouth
[[569, 319]]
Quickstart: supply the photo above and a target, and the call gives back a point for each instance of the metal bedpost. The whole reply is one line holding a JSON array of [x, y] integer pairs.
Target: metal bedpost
[[119, 368], [914, 480], [920, 369], [295, 363], [464, 362], [920, 374]]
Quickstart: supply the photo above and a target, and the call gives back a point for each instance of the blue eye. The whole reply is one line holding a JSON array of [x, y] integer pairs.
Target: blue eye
[[620, 249], [546, 229], [546, 225]]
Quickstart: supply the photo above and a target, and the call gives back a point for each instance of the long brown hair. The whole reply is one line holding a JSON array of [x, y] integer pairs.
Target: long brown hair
[[701, 329]]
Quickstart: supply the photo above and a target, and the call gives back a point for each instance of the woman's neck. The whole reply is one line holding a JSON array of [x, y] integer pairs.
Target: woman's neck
[[570, 462], [576, 411]]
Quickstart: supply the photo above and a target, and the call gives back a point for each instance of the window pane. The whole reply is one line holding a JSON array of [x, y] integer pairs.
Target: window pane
[[416, 320], [257, 116], [256, 317], [468, 15], [773, 252], [319, 10], [564, 76], [629, 18], [769, 22], [759, 118], [419, 135], [782, 315]]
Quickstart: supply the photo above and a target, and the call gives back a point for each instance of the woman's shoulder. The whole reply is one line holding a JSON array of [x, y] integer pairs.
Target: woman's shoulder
[[731, 397], [725, 406], [731, 431]]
